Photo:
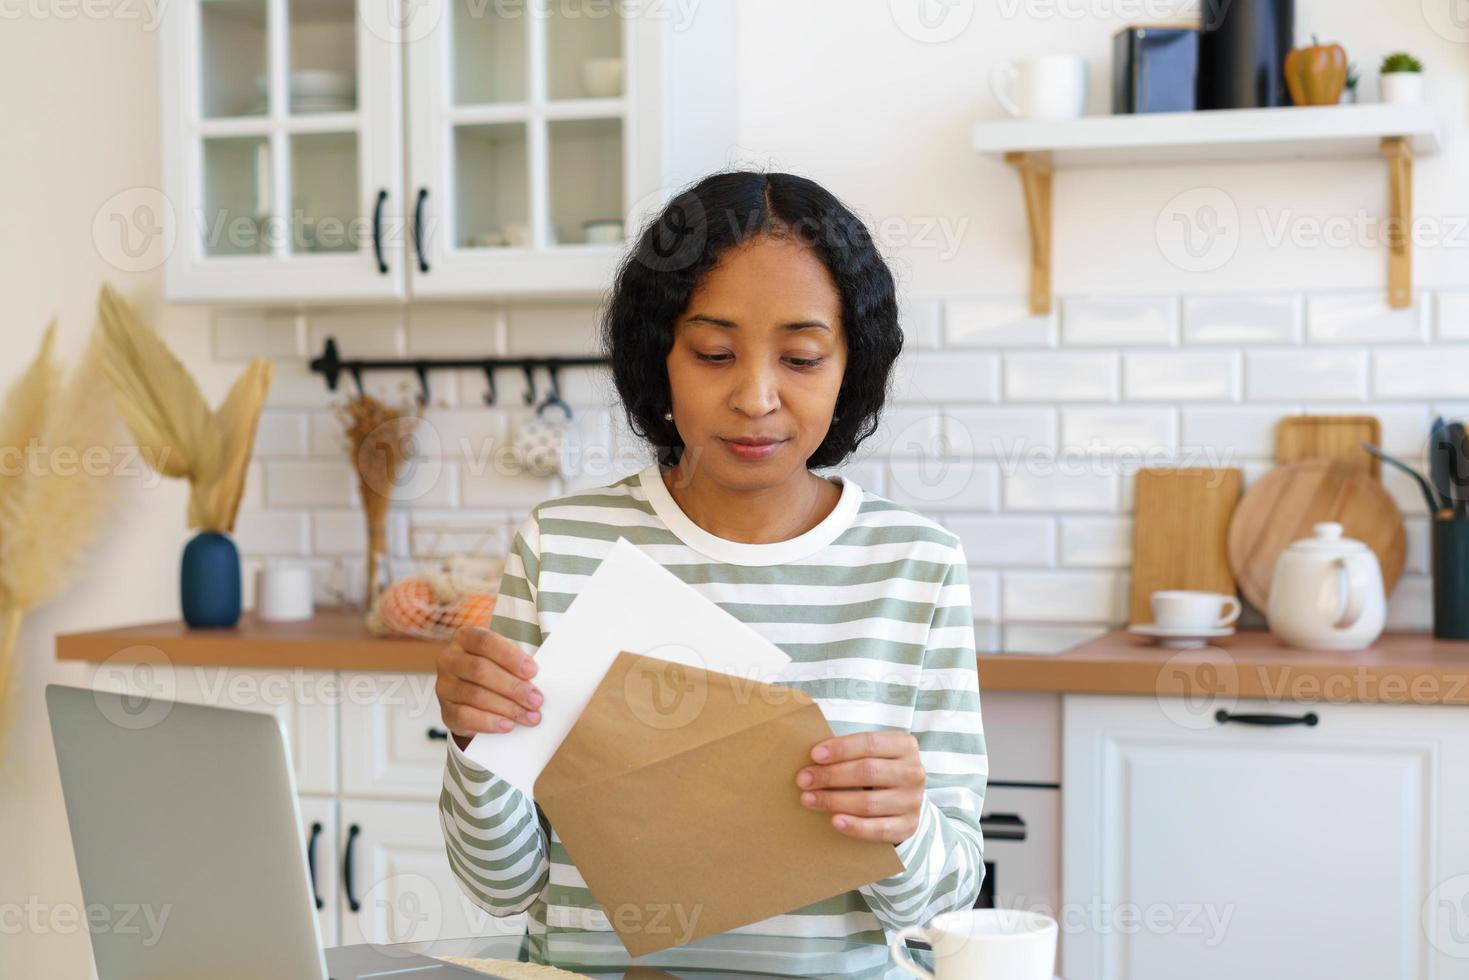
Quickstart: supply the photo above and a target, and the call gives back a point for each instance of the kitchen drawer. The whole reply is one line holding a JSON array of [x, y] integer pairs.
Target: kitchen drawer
[[1023, 873], [393, 739], [1022, 735]]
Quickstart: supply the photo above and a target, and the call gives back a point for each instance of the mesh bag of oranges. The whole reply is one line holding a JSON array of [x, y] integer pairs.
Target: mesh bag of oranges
[[434, 604]]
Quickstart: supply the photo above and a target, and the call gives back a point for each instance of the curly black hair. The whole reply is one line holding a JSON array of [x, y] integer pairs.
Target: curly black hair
[[677, 248]]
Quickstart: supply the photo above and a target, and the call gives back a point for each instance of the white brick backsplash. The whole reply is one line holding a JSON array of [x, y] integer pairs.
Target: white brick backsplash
[[369, 331], [467, 434], [1000, 431], [1061, 376], [344, 532], [984, 596], [906, 432], [1405, 491], [1305, 375], [1007, 540], [1183, 376], [1114, 321], [921, 321], [242, 335], [1096, 541], [1242, 431], [997, 322], [1056, 487], [272, 532], [947, 376], [309, 483], [1046, 639], [1064, 597], [432, 482], [292, 385], [1363, 318], [553, 328], [1113, 429], [1404, 427], [1419, 554], [489, 487], [1451, 313], [1422, 372], [281, 434], [253, 497], [1242, 319], [943, 484], [1410, 607], [454, 330], [868, 476]]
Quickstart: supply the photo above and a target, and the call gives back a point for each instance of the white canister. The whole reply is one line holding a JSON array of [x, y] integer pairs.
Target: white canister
[[283, 593]]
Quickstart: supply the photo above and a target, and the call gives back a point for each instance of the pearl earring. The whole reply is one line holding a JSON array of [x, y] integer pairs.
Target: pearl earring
[[668, 416]]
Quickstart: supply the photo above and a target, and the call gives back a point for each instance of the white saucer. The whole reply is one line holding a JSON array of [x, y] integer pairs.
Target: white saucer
[[1181, 638]]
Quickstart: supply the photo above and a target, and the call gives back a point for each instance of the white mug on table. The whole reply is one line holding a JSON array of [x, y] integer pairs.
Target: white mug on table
[[1183, 609], [1051, 86], [977, 944]]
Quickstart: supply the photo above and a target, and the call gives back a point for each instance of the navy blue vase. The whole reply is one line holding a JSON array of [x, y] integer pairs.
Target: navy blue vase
[[209, 580]]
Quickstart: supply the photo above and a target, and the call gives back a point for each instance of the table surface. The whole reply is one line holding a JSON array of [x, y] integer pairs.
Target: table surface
[[600, 954]]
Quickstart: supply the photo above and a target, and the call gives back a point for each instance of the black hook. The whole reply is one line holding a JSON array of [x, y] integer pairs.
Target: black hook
[[421, 369], [357, 377], [530, 383], [489, 369]]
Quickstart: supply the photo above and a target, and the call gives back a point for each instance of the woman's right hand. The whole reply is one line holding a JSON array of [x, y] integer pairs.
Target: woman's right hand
[[484, 685]]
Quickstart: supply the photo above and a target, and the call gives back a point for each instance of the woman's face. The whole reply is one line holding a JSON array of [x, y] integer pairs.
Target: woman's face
[[756, 364]]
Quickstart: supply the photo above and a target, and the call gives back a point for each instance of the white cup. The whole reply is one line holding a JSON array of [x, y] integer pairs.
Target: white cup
[[1182, 609], [1051, 86], [283, 593], [976, 944]]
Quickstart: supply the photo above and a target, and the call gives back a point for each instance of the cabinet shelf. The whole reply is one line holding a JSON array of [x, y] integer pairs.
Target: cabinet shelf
[[1037, 148]]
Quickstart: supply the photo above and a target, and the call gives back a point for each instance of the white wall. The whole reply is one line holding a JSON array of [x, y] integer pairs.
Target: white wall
[[836, 91]]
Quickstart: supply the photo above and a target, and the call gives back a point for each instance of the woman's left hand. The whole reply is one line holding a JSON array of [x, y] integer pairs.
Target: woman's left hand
[[872, 783]]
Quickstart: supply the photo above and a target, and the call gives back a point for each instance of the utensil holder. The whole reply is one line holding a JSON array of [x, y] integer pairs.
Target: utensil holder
[[1451, 578]]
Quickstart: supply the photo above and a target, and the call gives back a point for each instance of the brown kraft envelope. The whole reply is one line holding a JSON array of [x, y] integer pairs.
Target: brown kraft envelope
[[675, 795]]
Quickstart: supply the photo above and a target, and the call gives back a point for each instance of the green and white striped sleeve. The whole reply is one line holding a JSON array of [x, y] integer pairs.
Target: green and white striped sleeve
[[944, 859], [497, 845]]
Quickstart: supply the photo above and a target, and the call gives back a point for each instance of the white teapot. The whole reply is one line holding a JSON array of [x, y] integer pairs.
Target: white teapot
[[1326, 592]]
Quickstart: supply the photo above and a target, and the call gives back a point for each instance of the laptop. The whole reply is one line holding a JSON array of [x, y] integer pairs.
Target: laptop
[[184, 818]]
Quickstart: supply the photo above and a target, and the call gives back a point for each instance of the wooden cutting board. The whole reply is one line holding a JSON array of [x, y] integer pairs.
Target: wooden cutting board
[[1181, 519], [1335, 437], [1284, 503]]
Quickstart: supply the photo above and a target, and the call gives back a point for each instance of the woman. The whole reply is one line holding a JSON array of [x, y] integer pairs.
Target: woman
[[752, 331]]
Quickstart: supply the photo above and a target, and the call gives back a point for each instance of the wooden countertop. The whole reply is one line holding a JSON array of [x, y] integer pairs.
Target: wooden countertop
[[1401, 668]]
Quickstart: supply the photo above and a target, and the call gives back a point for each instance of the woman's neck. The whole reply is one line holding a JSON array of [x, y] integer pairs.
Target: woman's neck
[[762, 516]]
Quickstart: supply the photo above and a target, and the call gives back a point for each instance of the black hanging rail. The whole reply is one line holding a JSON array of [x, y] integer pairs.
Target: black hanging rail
[[331, 366]]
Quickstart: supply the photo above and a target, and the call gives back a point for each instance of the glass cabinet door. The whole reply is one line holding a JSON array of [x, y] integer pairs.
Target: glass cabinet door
[[289, 112], [519, 146]]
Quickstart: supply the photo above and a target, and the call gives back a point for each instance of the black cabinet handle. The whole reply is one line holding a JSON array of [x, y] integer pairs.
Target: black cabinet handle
[[1308, 719], [1002, 826], [377, 231], [418, 229], [311, 862], [436, 734], [352, 902]]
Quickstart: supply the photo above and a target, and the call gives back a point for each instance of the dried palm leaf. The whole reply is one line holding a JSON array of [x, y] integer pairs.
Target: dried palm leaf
[[171, 421]]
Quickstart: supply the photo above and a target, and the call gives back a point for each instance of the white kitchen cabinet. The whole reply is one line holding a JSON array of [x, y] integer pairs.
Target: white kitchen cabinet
[[393, 739], [397, 884], [319, 832], [1200, 848], [345, 151]]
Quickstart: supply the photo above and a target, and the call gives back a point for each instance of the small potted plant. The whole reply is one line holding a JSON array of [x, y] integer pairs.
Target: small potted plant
[[1402, 78]]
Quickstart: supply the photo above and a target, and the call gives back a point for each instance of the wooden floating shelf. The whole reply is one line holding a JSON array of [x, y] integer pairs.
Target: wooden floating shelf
[[1037, 148]]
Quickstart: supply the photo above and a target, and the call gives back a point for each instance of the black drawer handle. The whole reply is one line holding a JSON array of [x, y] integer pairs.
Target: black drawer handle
[[1002, 826], [352, 902], [311, 863], [377, 231], [436, 734], [418, 229], [1308, 719]]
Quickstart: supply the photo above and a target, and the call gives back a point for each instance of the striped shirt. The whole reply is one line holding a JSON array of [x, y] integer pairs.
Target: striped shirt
[[873, 603]]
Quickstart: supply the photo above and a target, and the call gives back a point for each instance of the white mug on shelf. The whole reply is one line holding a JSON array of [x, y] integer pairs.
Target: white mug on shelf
[[283, 593], [972, 943], [1184, 609], [1051, 86]]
